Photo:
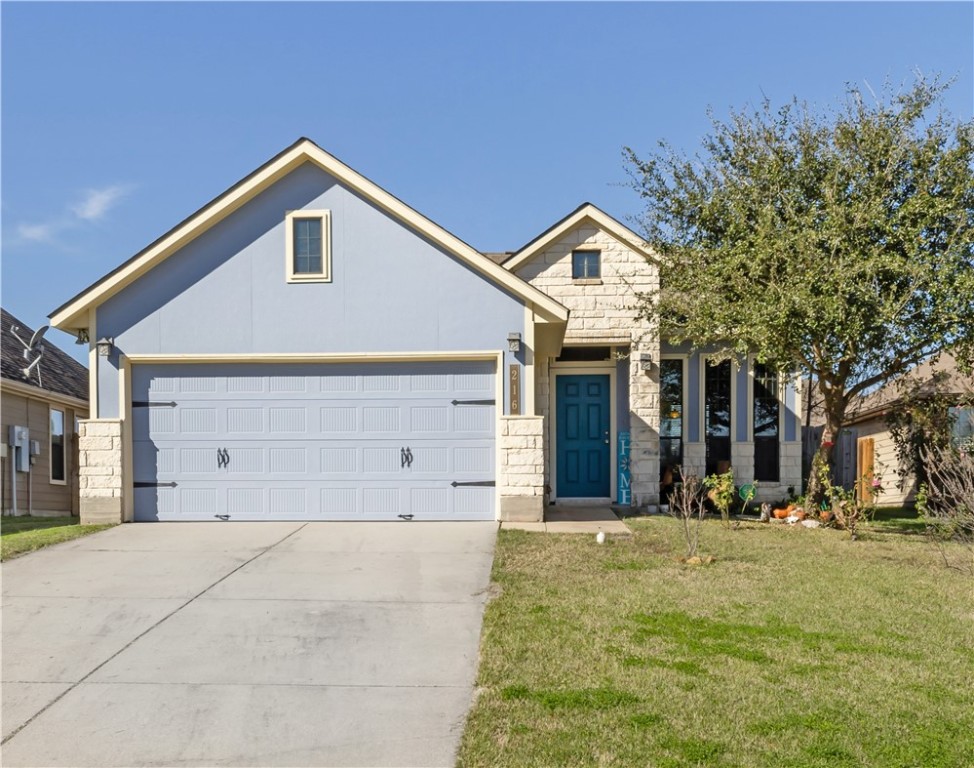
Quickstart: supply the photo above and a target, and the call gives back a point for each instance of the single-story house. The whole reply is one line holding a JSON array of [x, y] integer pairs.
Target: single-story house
[[865, 446], [307, 346], [43, 395]]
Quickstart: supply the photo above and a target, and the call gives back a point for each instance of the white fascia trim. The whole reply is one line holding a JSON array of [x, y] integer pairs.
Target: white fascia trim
[[316, 357], [588, 213], [70, 316]]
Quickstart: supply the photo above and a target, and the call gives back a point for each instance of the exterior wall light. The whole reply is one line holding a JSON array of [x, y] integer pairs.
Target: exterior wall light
[[514, 342], [105, 345], [645, 362]]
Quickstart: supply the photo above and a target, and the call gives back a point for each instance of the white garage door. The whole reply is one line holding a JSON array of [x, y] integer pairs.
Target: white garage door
[[382, 441]]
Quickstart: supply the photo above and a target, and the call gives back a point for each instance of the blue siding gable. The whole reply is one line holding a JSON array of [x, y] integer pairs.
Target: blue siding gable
[[225, 292]]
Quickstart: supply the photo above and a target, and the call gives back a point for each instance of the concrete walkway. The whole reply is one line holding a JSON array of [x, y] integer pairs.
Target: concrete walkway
[[576, 519], [258, 644]]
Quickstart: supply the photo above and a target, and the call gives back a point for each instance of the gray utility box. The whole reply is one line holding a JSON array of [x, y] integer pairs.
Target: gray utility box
[[19, 441]]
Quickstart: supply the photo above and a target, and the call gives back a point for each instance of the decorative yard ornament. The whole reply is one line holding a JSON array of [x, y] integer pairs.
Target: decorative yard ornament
[[600, 537]]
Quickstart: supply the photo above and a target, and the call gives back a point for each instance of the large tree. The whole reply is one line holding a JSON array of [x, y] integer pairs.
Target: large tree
[[836, 243]]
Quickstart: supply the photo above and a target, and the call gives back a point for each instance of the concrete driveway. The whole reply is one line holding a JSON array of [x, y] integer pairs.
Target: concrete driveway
[[298, 644]]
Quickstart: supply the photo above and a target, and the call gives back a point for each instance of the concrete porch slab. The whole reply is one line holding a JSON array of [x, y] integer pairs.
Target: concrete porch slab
[[576, 519]]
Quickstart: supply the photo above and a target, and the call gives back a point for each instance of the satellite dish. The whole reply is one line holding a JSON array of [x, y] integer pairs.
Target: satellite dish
[[38, 335], [26, 371], [29, 346]]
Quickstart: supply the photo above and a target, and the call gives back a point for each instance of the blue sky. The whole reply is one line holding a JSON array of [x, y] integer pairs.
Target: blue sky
[[494, 119]]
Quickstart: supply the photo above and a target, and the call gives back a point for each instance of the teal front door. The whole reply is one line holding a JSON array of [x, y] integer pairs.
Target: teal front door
[[582, 424]]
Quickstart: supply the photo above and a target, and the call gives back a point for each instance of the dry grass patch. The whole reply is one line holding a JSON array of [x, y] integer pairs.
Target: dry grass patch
[[796, 647]]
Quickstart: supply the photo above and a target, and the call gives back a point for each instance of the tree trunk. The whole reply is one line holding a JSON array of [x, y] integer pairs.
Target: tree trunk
[[821, 473]]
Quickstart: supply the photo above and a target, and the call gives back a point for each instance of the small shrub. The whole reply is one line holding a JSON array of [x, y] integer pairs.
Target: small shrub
[[849, 507], [721, 492], [946, 502], [688, 505]]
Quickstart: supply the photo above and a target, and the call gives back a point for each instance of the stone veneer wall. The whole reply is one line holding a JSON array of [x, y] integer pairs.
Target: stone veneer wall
[[100, 471], [605, 312], [520, 476], [789, 469]]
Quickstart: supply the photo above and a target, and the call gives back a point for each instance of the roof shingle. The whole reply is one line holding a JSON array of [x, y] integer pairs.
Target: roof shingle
[[60, 372]]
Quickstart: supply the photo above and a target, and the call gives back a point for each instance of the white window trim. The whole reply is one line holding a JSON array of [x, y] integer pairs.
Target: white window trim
[[50, 445], [308, 277]]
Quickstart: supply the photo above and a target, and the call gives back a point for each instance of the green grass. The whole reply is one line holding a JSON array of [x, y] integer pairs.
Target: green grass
[[896, 520], [19, 535], [795, 648]]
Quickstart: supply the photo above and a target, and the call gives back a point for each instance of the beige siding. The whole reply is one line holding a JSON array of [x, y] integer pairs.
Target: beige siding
[[886, 465], [36, 491]]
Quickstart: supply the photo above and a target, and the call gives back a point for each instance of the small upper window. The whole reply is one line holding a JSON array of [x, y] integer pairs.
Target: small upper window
[[308, 246], [586, 265]]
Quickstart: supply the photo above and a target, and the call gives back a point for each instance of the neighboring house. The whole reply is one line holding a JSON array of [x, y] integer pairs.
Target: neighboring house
[[866, 448], [307, 346], [45, 397]]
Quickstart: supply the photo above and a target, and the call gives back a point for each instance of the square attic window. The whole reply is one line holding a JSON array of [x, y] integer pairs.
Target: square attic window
[[308, 246], [586, 265]]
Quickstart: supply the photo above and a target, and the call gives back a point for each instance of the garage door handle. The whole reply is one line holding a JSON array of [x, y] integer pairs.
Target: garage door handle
[[405, 457], [222, 457]]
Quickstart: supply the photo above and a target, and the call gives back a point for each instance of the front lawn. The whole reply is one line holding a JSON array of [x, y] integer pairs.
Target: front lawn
[[19, 535], [795, 648]]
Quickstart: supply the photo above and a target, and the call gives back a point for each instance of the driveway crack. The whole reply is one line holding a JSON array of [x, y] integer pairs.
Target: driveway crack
[[142, 634]]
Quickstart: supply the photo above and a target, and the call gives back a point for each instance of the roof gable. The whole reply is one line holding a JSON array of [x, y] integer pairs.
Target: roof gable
[[585, 213], [60, 373], [73, 314], [937, 375]]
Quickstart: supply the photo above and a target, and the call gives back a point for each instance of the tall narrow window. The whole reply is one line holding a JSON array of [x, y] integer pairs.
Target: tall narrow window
[[671, 420], [767, 409], [57, 446], [308, 246], [717, 416]]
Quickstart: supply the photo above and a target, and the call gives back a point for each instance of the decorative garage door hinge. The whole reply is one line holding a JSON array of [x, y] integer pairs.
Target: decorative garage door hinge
[[480, 483], [138, 484], [147, 404], [473, 402]]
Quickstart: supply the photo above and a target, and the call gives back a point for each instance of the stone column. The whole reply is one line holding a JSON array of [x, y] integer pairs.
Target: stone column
[[520, 476], [100, 471], [644, 420], [742, 461]]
